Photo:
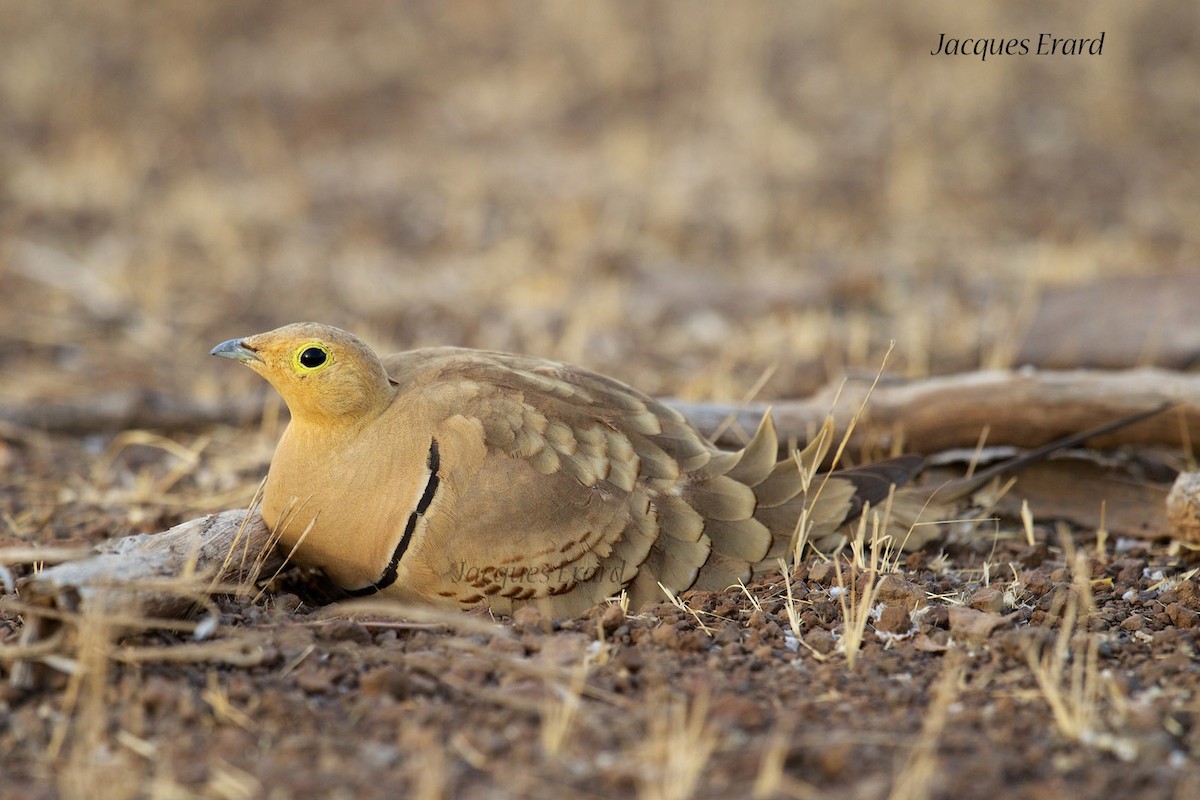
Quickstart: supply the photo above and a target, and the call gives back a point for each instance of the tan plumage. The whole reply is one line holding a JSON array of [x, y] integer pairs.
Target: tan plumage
[[549, 483], [467, 478]]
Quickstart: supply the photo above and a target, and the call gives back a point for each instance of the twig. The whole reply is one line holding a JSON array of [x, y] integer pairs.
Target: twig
[[1020, 408]]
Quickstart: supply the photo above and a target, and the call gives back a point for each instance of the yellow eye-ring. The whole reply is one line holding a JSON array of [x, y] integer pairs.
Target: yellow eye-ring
[[312, 357]]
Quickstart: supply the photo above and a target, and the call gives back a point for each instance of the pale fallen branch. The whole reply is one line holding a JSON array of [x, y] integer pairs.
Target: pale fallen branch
[[147, 580], [161, 573], [1019, 408], [144, 580]]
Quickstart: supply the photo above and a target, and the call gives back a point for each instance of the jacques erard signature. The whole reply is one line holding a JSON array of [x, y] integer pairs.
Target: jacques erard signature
[[1047, 44], [532, 575]]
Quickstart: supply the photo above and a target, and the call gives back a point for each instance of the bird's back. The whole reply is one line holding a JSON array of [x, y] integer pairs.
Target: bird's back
[[588, 487]]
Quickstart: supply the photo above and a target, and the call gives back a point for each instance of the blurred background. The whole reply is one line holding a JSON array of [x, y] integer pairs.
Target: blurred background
[[688, 195]]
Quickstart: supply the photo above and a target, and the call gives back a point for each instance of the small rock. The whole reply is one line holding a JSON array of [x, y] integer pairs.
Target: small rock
[[835, 758], [1036, 583], [612, 618], [894, 619], [822, 573], [563, 649], [936, 642], [737, 711], [696, 641], [1034, 557], [730, 608], [730, 633], [345, 630], [286, 603], [1134, 622], [667, 613], [631, 658], [1061, 575], [528, 618], [1017, 643], [988, 599], [896, 591], [1059, 593], [1182, 617], [1183, 508], [937, 616], [1189, 595], [1128, 569], [665, 635], [651, 608], [388, 681], [821, 640], [314, 680], [973, 624]]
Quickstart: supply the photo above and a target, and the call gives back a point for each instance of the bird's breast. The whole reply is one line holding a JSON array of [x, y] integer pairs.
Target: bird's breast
[[351, 507]]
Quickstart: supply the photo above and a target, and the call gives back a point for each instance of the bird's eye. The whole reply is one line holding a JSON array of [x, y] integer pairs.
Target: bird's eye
[[312, 357]]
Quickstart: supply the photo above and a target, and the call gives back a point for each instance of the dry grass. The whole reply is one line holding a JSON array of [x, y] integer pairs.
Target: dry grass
[[560, 707], [771, 780], [430, 780], [917, 777], [679, 603], [856, 586], [856, 598], [89, 763], [677, 748], [1086, 706]]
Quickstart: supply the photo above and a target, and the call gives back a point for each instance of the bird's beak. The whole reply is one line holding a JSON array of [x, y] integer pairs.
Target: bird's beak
[[235, 349]]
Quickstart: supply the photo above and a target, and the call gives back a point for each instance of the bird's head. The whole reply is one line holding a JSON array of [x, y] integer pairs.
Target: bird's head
[[324, 374]]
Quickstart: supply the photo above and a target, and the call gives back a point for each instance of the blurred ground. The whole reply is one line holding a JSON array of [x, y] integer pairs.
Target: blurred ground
[[684, 195]]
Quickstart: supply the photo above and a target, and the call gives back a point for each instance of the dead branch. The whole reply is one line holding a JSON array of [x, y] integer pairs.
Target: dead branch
[[144, 580], [1020, 408], [162, 573]]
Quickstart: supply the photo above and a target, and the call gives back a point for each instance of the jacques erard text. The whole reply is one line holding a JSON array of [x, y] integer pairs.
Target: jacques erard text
[[1046, 44]]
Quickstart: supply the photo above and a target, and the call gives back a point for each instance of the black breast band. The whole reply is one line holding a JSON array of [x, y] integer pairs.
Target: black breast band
[[389, 573]]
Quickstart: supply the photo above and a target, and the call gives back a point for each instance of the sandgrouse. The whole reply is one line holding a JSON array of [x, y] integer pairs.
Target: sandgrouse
[[465, 478], [472, 478]]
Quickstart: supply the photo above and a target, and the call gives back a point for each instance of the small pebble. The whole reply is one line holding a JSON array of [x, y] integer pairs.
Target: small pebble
[[987, 598], [1036, 583], [822, 573], [1134, 622], [894, 619], [894, 590]]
